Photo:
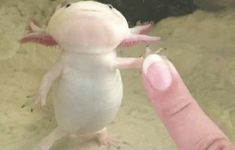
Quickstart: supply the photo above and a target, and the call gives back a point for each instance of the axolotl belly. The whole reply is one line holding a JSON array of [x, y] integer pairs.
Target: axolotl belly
[[88, 93]]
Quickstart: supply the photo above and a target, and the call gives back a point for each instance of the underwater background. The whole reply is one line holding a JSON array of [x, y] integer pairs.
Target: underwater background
[[199, 37]]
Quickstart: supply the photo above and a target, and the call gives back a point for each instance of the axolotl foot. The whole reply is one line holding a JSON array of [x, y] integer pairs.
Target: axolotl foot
[[149, 51], [48, 141], [105, 139]]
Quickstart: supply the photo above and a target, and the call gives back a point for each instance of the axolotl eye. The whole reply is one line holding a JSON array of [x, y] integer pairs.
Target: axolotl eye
[[67, 5], [110, 6]]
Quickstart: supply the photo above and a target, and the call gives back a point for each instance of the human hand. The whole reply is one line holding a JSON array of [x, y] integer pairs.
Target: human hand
[[188, 125]]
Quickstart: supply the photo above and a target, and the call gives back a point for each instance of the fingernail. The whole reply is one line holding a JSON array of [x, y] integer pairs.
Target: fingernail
[[157, 72]]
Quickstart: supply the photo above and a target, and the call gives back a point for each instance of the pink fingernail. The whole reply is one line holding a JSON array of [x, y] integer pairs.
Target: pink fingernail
[[157, 71]]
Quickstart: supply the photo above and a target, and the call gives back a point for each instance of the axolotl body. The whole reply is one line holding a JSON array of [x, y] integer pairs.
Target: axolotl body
[[88, 91]]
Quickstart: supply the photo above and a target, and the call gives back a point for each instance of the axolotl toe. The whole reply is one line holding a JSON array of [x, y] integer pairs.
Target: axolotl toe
[[89, 89]]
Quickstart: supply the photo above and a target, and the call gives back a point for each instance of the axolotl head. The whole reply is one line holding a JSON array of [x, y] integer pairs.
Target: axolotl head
[[89, 27]]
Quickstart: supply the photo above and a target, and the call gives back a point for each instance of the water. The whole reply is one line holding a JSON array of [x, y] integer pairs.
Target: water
[[201, 45]]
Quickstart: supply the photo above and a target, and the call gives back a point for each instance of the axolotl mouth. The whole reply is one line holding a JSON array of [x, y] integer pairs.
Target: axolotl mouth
[[92, 10]]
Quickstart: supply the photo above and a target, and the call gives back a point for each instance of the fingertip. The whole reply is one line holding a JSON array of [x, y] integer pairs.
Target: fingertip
[[151, 59], [157, 72]]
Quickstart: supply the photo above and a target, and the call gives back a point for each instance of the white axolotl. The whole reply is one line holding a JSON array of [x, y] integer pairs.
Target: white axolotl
[[88, 92]]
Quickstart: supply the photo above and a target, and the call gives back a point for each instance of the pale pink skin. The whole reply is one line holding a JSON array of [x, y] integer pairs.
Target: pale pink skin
[[99, 31], [188, 125], [38, 35]]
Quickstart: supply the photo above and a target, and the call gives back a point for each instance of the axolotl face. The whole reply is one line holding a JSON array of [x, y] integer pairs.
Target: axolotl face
[[88, 27]]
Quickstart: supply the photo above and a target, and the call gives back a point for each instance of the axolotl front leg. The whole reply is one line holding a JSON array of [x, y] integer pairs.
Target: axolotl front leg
[[128, 62], [46, 83], [135, 38]]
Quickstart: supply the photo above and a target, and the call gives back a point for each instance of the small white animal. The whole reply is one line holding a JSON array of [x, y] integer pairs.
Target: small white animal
[[88, 92]]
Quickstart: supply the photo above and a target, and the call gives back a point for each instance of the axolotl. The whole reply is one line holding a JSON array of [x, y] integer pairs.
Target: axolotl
[[88, 89]]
